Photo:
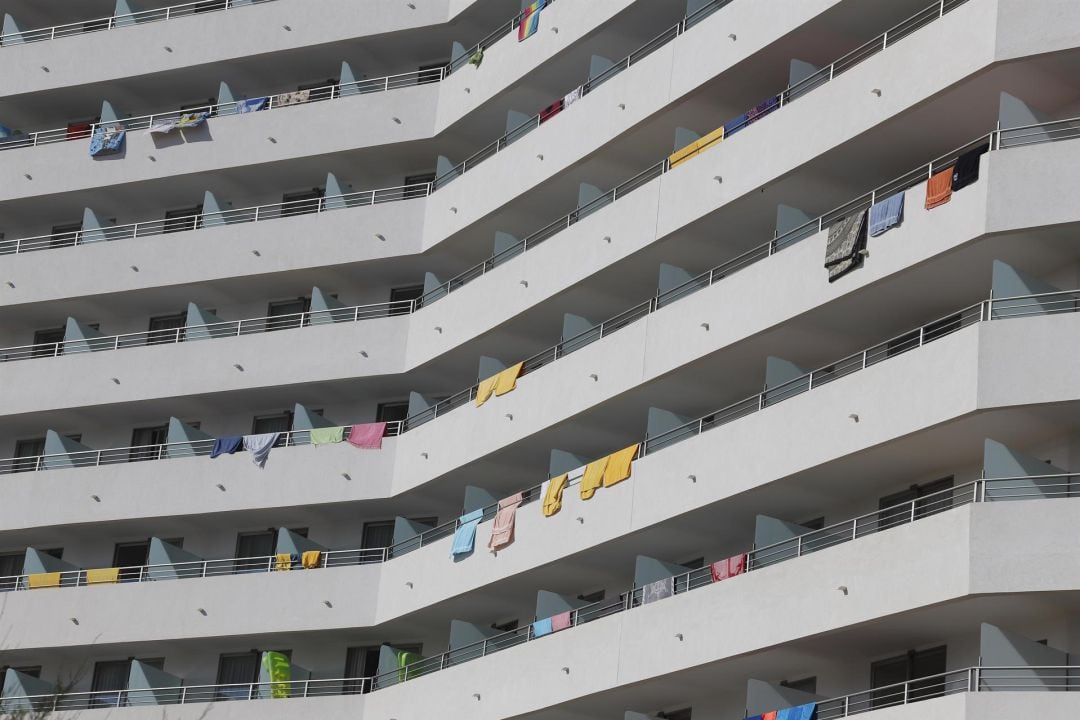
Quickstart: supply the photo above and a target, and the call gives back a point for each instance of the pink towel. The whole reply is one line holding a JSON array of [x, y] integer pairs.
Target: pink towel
[[369, 436], [724, 569], [560, 621], [502, 530]]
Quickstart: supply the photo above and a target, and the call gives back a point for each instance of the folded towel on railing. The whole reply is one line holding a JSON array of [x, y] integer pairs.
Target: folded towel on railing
[[724, 569], [802, 712], [282, 562], [192, 120], [367, 436], [293, 98], [465, 535], [542, 628], [618, 465], [572, 97], [560, 621], [326, 436], [966, 170], [259, 446], [310, 559], [939, 188], [502, 529], [593, 478], [250, 106], [887, 213], [43, 580], [107, 139], [551, 492], [103, 576], [847, 238], [227, 445], [657, 590], [498, 384], [530, 20]]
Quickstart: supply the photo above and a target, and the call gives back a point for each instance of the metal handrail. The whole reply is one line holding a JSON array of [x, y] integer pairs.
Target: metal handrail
[[145, 122], [224, 329], [112, 22], [141, 453], [258, 213]]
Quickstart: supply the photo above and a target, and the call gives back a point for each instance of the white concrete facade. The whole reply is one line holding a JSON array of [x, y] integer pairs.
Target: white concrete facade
[[893, 451]]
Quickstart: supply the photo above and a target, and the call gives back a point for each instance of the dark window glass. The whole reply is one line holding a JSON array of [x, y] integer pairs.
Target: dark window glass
[[287, 314], [238, 670], [886, 676], [130, 557], [807, 685], [182, 219], [272, 423], [146, 443], [391, 411], [420, 179], [45, 342], [163, 328], [403, 295], [301, 203], [109, 676], [916, 502], [64, 235]]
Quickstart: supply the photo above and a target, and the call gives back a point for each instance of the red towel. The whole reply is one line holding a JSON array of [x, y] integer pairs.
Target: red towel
[[551, 110], [724, 569], [77, 131], [560, 621], [368, 436], [769, 715]]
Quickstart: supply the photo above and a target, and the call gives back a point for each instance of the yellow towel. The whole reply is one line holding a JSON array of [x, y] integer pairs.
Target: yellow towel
[[507, 379], [485, 389], [282, 561], [553, 496], [711, 139], [682, 154], [44, 580], [310, 559], [594, 477], [103, 576], [618, 467]]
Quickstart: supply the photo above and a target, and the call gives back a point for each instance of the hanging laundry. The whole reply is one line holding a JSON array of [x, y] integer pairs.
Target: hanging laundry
[[506, 381], [279, 672], [310, 559], [227, 446], [502, 529], [769, 715], [192, 120], [682, 155], [103, 576], [43, 580], [465, 535], [542, 628], [939, 188], [763, 109], [107, 139], [326, 436], [250, 106], [724, 569], [560, 621], [259, 446], [887, 213], [593, 477], [618, 465], [802, 712], [552, 494], [530, 20], [485, 389], [367, 436], [966, 170], [78, 131], [292, 98], [709, 140], [283, 562], [657, 590], [551, 111], [733, 126], [572, 97], [847, 237], [477, 57], [164, 126]]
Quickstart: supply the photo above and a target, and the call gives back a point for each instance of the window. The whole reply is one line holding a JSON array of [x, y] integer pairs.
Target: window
[[30, 670], [130, 557], [806, 685], [287, 314], [281, 422], [360, 662], [163, 328], [815, 524], [420, 179], [683, 714], [46, 342], [110, 678], [252, 549], [886, 676], [28, 451], [182, 219], [65, 235], [237, 669], [695, 564], [916, 502], [403, 295], [146, 443], [593, 596], [507, 626], [11, 566], [301, 203], [391, 411]]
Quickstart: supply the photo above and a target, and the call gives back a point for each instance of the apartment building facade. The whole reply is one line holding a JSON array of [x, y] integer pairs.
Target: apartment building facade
[[628, 359]]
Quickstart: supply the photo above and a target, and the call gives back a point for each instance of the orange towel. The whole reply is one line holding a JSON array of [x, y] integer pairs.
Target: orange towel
[[939, 188], [103, 576], [553, 496], [593, 478], [618, 465]]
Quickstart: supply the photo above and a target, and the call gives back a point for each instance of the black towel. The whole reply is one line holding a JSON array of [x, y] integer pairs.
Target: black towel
[[966, 170]]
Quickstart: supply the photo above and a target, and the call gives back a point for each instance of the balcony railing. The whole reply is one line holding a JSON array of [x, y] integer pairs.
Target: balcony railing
[[112, 22], [145, 122], [157, 227], [985, 490]]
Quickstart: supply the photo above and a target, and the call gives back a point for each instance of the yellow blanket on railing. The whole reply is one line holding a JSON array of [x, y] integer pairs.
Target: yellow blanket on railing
[[103, 576], [43, 580], [618, 465], [498, 384], [282, 562], [310, 559]]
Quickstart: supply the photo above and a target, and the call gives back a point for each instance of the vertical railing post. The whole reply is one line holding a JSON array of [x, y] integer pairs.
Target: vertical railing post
[[906, 688], [941, 10]]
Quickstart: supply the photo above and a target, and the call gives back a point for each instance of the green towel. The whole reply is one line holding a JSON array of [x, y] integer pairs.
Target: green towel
[[477, 58], [326, 436], [279, 671]]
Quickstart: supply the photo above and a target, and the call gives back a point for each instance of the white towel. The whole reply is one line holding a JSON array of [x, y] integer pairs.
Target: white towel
[[259, 446], [572, 96]]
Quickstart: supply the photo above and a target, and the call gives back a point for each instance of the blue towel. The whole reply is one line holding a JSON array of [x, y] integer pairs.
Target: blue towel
[[107, 139], [259, 446], [542, 627], [886, 213], [802, 712], [465, 536], [226, 446], [763, 109], [249, 106], [733, 126]]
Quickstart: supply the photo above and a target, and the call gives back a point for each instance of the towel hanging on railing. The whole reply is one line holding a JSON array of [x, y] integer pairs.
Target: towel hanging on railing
[[367, 436], [530, 20], [939, 188], [103, 576], [502, 529], [886, 214], [259, 446], [227, 445], [847, 238], [966, 170], [326, 436]]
